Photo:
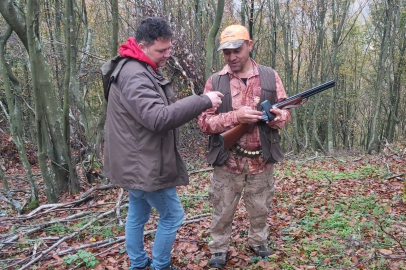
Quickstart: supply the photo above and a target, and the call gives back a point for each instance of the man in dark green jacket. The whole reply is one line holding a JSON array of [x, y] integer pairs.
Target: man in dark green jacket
[[141, 141]]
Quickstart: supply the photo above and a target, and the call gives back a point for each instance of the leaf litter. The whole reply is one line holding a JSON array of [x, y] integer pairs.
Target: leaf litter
[[329, 212]]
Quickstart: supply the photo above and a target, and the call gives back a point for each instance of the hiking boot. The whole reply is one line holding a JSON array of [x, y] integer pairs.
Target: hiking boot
[[261, 251], [146, 267], [218, 260], [169, 267]]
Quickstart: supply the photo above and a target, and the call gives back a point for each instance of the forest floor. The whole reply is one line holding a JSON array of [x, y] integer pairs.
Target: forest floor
[[344, 211]]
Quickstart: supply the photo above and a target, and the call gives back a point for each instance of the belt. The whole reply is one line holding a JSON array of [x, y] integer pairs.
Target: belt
[[244, 152]]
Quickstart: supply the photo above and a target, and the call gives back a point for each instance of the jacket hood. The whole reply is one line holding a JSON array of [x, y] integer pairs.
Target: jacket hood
[[131, 49]]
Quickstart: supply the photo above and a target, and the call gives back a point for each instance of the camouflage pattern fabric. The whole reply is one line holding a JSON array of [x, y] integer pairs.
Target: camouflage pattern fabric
[[225, 192]]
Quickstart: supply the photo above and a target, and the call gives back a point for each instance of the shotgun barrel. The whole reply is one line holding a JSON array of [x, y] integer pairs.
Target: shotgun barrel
[[232, 136]]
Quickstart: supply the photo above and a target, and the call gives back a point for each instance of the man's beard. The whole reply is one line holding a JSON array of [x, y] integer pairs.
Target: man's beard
[[236, 69]]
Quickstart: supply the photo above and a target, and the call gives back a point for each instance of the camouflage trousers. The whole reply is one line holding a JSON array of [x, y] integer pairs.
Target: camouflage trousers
[[226, 191]]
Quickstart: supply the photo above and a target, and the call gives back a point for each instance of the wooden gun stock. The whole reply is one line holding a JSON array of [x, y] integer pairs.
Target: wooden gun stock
[[232, 136]]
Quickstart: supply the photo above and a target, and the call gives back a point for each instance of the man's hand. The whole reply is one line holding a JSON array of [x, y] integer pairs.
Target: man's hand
[[215, 98], [280, 118], [278, 114], [247, 115]]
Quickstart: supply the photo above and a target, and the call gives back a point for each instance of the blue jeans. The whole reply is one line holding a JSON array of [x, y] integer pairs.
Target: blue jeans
[[171, 214]]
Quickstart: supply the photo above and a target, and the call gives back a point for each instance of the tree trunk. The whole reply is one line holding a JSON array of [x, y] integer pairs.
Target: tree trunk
[[199, 20], [293, 112], [395, 90], [374, 144], [251, 20], [49, 21], [14, 104], [242, 12], [321, 11], [15, 18], [337, 31], [70, 31], [211, 38], [49, 116], [32, 22], [113, 52]]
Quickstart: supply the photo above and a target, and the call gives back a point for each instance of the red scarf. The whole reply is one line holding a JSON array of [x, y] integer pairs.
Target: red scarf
[[131, 49]]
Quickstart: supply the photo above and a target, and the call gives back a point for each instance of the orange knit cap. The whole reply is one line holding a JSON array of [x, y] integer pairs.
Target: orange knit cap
[[233, 37]]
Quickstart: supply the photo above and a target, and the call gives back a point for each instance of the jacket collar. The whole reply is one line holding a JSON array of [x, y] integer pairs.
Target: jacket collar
[[157, 75]]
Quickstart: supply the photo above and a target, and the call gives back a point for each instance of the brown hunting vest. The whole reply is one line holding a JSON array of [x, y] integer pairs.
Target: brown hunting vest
[[271, 152]]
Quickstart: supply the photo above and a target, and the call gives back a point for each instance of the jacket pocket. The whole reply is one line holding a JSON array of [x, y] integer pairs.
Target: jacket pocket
[[276, 154], [216, 156]]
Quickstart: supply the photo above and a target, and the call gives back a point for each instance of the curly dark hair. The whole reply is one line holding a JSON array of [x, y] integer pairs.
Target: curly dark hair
[[152, 28]]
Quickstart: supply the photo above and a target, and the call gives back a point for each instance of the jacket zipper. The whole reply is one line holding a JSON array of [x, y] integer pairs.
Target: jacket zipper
[[161, 169]]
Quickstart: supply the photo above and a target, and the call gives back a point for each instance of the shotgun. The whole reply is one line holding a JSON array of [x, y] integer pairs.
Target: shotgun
[[230, 137]]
